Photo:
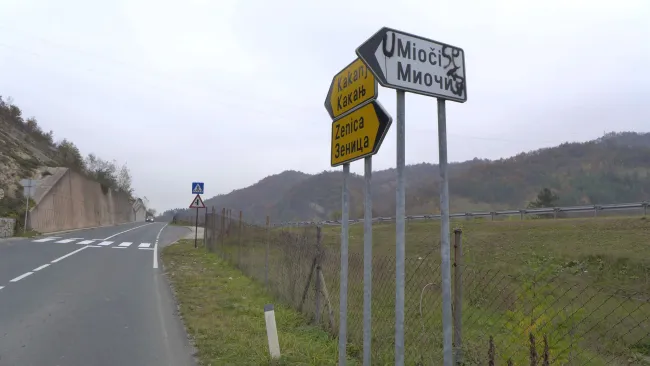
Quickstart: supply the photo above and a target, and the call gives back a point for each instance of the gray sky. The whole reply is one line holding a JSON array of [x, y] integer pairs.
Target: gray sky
[[228, 92]]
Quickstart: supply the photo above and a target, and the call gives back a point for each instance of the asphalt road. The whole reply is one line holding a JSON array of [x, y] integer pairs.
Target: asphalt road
[[90, 297]]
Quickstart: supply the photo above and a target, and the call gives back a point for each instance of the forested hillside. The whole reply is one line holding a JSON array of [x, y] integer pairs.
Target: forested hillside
[[613, 168], [25, 149]]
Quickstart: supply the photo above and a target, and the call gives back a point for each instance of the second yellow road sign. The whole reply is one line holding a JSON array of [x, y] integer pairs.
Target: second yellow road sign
[[359, 134]]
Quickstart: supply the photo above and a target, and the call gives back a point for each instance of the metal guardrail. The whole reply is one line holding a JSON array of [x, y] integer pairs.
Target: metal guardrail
[[529, 211]]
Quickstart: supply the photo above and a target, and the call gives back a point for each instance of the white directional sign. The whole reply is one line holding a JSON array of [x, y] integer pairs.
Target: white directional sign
[[415, 64]]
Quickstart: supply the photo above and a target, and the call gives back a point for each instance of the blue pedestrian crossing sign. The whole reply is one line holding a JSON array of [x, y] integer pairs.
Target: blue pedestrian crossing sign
[[197, 188]]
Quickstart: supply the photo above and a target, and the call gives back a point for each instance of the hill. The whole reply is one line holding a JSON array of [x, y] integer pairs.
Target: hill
[[613, 168], [26, 151]]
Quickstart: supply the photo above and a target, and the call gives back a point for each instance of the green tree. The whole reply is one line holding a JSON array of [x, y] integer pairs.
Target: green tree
[[103, 171], [69, 154], [123, 179], [545, 198]]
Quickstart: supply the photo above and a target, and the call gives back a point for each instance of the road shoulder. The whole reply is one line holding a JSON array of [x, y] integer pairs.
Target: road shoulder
[[223, 312]]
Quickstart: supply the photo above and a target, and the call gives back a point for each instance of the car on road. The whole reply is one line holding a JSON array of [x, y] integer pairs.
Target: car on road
[[149, 219]]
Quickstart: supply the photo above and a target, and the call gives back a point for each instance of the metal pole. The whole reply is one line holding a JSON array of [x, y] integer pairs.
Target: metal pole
[[400, 215], [266, 257], [458, 296], [239, 239], [367, 262], [343, 297], [29, 193], [444, 236], [318, 269], [196, 227], [223, 232]]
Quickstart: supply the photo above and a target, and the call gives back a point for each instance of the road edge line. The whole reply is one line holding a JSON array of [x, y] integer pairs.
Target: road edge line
[[155, 247]]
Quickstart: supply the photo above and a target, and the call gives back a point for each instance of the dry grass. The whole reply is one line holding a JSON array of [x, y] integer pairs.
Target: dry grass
[[223, 312], [584, 283]]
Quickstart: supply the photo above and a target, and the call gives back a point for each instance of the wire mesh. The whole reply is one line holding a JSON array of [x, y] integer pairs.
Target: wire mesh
[[537, 313]]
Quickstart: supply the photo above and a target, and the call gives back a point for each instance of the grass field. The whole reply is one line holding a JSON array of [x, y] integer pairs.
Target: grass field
[[583, 283], [223, 312]]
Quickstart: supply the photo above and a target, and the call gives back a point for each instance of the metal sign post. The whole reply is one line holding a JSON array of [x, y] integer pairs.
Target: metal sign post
[[400, 235], [197, 203], [27, 192], [445, 266], [367, 262], [407, 62], [359, 126], [343, 296]]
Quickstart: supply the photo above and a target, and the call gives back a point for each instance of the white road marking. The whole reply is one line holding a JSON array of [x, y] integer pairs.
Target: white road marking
[[144, 245], [125, 244], [46, 239], [21, 277], [68, 240], [118, 247], [85, 242], [94, 246], [155, 248], [1, 287], [122, 232], [105, 243], [41, 267], [69, 254], [146, 248]]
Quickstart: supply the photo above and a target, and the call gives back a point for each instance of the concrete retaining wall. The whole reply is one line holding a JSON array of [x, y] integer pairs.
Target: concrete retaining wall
[[139, 210], [67, 200], [7, 227]]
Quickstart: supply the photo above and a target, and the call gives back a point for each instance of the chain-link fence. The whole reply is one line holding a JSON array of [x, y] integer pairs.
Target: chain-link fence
[[539, 313]]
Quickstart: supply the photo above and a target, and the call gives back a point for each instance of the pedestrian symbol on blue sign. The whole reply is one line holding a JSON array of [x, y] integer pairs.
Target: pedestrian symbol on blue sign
[[197, 188]]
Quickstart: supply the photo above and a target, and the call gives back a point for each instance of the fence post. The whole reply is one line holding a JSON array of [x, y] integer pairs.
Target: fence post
[[239, 240], [318, 269], [213, 229], [458, 296], [266, 256], [229, 220], [223, 232], [205, 227]]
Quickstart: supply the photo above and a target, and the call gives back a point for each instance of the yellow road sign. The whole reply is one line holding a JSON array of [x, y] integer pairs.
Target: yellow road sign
[[359, 134], [351, 87]]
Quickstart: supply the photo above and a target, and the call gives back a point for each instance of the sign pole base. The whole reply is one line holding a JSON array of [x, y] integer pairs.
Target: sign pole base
[[196, 227]]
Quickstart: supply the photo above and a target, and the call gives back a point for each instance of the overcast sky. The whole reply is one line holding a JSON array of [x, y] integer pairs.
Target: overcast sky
[[228, 92]]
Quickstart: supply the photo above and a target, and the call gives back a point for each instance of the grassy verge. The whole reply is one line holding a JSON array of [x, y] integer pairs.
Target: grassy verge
[[27, 234], [223, 312]]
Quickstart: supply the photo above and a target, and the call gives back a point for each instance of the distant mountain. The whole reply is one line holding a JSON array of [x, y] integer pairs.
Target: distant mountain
[[613, 168]]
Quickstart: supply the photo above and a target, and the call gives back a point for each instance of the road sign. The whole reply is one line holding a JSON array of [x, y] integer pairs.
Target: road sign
[[350, 88], [28, 187], [359, 134], [415, 64], [197, 202], [197, 188]]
